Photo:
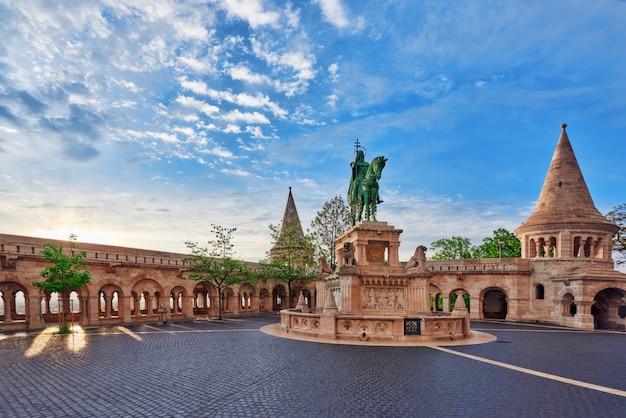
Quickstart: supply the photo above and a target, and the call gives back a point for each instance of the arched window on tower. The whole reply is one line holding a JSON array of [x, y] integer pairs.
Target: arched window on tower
[[539, 291], [578, 250], [587, 250], [551, 247]]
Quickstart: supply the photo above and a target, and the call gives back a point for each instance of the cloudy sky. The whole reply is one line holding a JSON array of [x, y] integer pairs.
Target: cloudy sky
[[140, 123]]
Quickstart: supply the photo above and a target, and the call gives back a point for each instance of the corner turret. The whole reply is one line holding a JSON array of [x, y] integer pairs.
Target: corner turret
[[565, 223]]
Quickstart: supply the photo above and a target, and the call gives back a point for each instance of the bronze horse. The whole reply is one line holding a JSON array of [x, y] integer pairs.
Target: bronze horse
[[363, 194]]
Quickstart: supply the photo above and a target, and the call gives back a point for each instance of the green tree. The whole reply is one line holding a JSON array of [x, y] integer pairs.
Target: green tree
[[329, 224], [503, 244], [215, 263], [618, 217], [291, 257], [453, 248], [67, 273]]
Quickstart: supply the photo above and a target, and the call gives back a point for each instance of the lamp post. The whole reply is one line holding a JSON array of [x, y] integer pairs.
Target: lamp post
[[500, 242]]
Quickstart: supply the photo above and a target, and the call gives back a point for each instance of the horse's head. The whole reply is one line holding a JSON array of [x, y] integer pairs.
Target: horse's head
[[378, 164]]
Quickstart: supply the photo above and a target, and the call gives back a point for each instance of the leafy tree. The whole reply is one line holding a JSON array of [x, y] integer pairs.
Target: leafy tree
[[215, 263], [503, 244], [291, 257], [329, 224], [67, 273], [453, 248], [618, 217]]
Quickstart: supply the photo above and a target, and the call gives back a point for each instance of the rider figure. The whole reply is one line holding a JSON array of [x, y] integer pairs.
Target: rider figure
[[359, 168]]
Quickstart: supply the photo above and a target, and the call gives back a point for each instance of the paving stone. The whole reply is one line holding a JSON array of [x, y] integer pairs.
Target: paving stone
[[231, 369]]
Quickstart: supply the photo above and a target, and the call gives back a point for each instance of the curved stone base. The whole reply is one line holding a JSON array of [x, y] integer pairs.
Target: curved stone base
[[476, 338]]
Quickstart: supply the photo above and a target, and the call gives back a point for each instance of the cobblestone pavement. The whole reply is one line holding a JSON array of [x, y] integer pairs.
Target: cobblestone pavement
[[231, 369]]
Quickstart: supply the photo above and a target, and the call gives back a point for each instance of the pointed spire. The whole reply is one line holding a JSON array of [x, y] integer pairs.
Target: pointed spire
[[564, 196], [291, 227], [291, 216]]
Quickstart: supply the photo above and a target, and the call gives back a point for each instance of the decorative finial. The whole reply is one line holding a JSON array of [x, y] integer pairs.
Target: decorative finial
[[564, 125], [357, 146]]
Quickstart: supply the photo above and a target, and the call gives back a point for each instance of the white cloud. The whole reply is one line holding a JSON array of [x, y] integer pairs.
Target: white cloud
[[247, 117], [199, 105], [129, 85], [334, 12], [332, 69], [251, 11], [242, 99], [244, 74], [232, 129], [236, 172], [218, 151], [255, 132], [195, 64], [297, 64]]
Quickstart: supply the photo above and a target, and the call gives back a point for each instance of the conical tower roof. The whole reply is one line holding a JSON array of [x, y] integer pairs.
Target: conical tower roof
[[291, 218], [564, 197], [291, 222]]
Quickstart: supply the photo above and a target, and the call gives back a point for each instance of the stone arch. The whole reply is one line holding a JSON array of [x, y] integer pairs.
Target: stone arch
[[110, 301], [177, 300], [205, 299], [279, 298], [494, 302], [609, 309], [147, 294], [14, 302], [540, 291], [532, 248], [436, 298], [265, 299], [453, 297], [247, 298], [73, 304], [568, 305], [229, 300]]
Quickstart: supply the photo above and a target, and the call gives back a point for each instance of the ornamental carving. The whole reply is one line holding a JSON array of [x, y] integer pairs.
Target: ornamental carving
[[382, 298]]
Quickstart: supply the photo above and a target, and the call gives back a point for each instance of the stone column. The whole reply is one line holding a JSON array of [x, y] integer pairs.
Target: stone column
[[474, 309], [393, 254], [417, 299], [33, 312], [446, 303], [322, 293], [108, 299], [92, 309], [346, 295], [328, 319], [8, 308], [583, 314]]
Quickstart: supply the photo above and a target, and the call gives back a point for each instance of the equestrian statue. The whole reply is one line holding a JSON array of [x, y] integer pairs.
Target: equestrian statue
[[363, 189]]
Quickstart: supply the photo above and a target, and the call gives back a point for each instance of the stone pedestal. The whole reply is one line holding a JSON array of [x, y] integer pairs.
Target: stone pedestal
[[373, 297]]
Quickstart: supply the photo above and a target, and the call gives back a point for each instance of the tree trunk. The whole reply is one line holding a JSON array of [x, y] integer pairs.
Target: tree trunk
[[220, 303]]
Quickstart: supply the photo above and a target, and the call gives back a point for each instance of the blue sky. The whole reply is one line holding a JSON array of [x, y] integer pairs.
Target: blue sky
[[141, 123]]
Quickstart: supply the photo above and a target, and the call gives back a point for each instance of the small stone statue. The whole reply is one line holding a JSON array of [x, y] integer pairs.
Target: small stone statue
[[348, 254], [418, 259], [324, 267]]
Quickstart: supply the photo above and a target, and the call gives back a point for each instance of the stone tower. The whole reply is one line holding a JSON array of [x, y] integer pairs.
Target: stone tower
[[290, 228], [565, 223]]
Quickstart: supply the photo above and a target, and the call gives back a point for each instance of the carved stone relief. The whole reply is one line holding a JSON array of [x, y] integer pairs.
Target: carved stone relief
[[382, 299]]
